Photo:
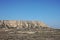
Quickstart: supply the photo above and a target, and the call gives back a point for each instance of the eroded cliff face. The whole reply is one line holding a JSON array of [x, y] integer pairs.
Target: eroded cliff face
[[21, 24]]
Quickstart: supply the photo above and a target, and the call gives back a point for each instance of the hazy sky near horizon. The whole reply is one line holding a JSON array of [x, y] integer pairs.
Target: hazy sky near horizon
[[47, 11]]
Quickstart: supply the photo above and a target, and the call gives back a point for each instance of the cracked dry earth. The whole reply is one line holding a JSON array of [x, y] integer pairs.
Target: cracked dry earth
[[11, 35]]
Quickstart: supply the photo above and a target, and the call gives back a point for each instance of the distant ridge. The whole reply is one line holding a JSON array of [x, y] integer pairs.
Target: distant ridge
[[23, 25]]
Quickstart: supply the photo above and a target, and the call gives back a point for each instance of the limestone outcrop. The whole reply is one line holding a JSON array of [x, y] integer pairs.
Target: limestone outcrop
[[23, 25], [14, 23]]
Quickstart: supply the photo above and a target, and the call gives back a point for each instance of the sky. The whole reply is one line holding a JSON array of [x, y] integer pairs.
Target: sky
[[47, 11]]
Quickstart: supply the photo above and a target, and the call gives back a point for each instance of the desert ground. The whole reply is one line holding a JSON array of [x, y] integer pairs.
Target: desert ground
[[13, 34]]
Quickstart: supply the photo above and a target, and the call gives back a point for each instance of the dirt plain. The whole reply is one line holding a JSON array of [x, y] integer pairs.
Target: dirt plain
[[41, 35]]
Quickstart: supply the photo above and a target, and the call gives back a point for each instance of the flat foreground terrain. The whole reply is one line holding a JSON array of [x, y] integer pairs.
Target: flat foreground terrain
[[15, 35]]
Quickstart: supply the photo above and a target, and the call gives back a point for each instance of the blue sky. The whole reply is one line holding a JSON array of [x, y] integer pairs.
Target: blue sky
[[47, 11]]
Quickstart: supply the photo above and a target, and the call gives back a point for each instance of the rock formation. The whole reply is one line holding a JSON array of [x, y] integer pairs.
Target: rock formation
[[14, 23], [23, 25]]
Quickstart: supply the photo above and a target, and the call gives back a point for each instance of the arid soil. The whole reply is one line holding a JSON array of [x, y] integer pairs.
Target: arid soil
[[38, 35]]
